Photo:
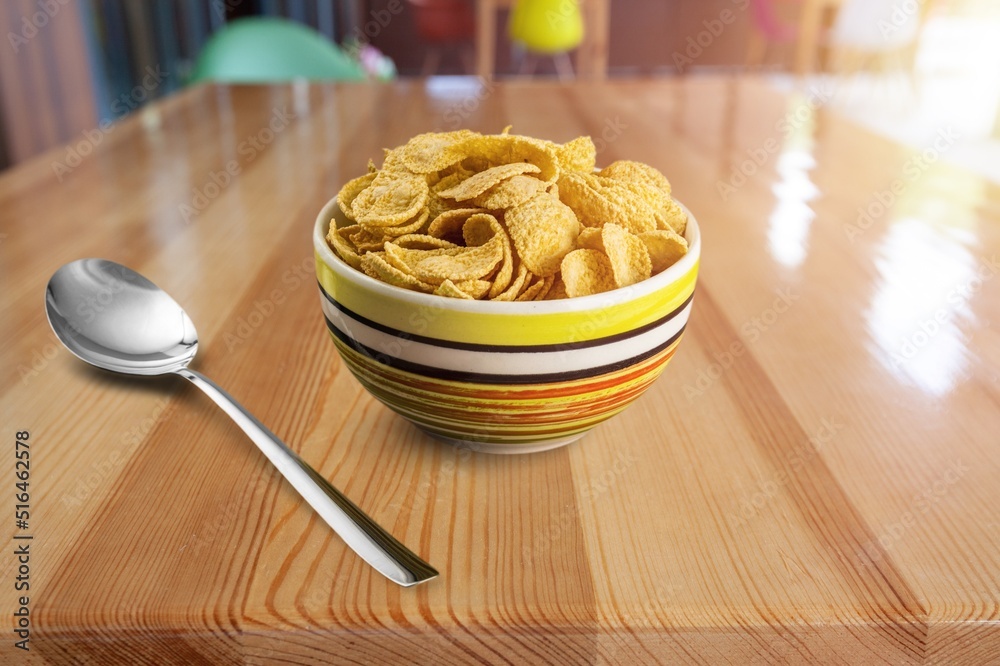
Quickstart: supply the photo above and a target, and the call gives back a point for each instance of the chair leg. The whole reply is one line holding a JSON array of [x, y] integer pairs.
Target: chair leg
[[809, 28], [845, 63], [909, 64], [528, 64], [432, 60], [467, 56], [904, 77], [486, 46], [756, 50], [564, 66]]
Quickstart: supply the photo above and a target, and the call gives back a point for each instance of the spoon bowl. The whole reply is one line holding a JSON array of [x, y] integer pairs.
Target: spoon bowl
[[114, 318]]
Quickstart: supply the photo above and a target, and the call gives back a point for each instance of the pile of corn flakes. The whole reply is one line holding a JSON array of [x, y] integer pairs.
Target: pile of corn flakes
[[505, 217]]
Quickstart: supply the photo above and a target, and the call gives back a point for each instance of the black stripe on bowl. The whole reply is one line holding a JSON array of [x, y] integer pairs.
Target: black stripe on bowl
[[501, 349], [483, 378]]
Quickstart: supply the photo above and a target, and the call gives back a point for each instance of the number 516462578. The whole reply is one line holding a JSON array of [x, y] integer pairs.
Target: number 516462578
[[22, 471]]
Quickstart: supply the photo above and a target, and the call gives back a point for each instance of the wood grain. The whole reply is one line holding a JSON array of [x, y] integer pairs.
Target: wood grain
[[792, 490]]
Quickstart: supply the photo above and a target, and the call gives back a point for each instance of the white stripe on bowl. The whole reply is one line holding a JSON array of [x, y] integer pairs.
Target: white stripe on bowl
[[504, 363]]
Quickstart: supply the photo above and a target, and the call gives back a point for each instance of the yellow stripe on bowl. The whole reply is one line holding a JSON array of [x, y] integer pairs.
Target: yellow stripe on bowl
[[507, 329], [488, 323]]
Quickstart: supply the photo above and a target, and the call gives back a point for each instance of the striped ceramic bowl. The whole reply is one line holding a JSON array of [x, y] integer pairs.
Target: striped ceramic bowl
[[504, 377]]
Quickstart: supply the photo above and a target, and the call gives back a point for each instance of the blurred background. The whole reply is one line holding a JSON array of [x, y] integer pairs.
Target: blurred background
[[903, 68]]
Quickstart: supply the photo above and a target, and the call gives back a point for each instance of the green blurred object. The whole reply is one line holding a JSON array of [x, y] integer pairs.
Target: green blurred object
[[272, 50], [547, 26]]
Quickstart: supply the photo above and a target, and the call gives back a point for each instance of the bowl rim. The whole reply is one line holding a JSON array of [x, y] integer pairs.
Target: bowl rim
[[565, 305]]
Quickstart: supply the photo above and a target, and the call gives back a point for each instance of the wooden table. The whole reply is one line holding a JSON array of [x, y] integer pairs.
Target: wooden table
[[592, 58], [814, 478]]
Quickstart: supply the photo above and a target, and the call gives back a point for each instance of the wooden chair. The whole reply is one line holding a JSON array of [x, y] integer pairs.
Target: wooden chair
[[851, 50], [445, 26], [808, 43], [546, 28], [767, 28], [894, 47], [592, 56]]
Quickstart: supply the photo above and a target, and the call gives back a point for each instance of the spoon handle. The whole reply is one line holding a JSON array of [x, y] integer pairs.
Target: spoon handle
[[366, 538]]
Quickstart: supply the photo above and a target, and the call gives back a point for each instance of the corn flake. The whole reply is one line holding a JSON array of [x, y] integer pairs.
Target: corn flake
[[665, 247], [515, 287], [448, 225], [480, 229], [597, 201], [511, 192], [338, 239], [586, 272], [434, 151], [507, 217], [580, 154], [422, 242], [390, 200], [374, 265], [628, 171], [450, 289], [544, 230], [628, 255], [349, 192], [475, 185]]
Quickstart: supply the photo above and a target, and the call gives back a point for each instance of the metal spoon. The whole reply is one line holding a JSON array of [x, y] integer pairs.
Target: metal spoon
[[114, 318]]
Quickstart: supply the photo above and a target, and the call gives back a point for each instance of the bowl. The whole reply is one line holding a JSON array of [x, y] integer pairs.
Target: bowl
[[504, 377]]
